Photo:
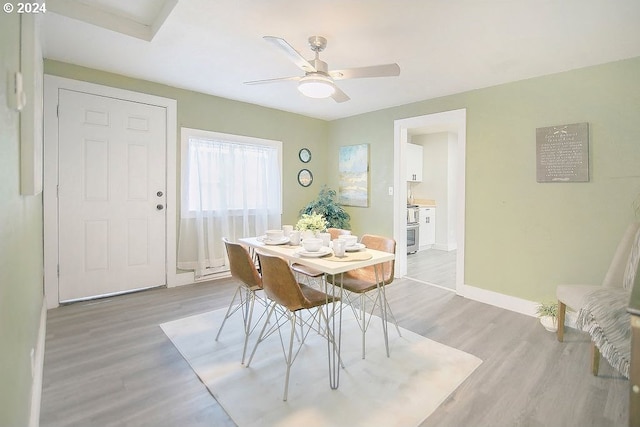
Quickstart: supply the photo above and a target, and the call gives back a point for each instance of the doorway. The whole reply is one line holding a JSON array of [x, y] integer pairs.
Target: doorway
[[111, 195], [450, 121], [141, 253]]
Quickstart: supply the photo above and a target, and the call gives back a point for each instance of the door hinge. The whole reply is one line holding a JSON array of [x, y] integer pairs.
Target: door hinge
[[58, 110], [58, 270], [57, 191]]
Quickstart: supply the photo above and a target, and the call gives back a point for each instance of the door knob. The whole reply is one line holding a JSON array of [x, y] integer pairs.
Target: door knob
[[159, 193], [159, 207]]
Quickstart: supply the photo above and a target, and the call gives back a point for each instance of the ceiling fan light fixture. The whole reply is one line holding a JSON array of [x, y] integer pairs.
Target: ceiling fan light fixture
[[316, 86]]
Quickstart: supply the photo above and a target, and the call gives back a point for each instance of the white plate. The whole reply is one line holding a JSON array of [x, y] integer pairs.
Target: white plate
[[355, 247], [280, 241], [322, 252]]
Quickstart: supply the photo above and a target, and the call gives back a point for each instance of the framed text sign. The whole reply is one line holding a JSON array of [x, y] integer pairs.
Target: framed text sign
[[562, 153]]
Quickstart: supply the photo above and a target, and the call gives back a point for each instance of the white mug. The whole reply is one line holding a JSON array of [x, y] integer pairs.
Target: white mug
[[326, 238], [287, 229], [339, 247], [294, 238]]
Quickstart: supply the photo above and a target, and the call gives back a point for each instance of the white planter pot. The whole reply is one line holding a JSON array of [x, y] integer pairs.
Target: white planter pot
[[308, 234], [550, 323]]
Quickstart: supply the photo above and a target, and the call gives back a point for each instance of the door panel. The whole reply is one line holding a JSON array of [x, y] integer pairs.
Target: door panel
[[111, 167]]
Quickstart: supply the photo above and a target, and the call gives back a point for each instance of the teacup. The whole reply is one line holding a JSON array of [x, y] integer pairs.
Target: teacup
[[349, 239], [294, 238], [274, 235], [287, 229], [312, 244], [338, 247]]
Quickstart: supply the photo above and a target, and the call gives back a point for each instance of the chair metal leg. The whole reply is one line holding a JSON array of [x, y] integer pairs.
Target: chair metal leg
[[246, 305], [383, 309], [231, 307], [261, 336], [247, 323], [289, 359], [395, 322]]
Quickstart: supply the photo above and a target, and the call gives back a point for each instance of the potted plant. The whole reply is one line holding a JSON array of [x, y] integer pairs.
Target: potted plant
[[327, 206], [311, 224], [548, 314]]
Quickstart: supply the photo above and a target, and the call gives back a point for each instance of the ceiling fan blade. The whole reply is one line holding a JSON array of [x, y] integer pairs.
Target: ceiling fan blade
[[385, 70], [339, 95], [293, 54], [277, 80]]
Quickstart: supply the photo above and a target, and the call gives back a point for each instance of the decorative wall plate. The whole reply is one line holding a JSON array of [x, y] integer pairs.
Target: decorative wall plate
[[305, 177], [304, 155]]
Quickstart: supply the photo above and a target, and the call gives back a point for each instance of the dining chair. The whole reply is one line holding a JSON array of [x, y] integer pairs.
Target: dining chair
[[310, 273], [336, 232], [620, 274], [291, 297], [243, 269], [369, 284]]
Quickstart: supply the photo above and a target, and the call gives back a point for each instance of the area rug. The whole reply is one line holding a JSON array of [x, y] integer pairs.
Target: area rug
[[401, 390]]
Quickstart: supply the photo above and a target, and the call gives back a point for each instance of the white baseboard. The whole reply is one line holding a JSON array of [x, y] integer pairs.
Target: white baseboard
[[37, 368], [496, 299], [445, 247], [180, 279], [189, 278], [510, 303]]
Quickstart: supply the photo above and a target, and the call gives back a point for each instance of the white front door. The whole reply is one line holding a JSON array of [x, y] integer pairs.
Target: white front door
[[111, 195]]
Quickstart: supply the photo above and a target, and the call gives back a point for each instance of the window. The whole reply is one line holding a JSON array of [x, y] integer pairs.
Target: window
[[229, 173], [231, 187]]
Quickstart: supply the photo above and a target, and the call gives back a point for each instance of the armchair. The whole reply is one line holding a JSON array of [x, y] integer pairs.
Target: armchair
[[620, 274]]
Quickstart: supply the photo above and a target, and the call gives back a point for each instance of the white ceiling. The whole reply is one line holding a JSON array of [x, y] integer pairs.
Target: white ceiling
[[442, 47]]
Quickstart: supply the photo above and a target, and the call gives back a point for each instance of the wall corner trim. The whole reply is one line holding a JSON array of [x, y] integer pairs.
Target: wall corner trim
[[37, 368]]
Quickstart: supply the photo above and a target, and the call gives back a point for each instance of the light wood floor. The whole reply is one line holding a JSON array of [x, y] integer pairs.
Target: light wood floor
[[107, 363], [433, 266]]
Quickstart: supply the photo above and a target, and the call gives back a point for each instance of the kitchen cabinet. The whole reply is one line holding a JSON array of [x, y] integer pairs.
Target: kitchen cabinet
[[427, 227], [414, 162]]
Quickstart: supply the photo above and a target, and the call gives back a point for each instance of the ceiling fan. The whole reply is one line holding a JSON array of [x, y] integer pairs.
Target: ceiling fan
[[318, 81]]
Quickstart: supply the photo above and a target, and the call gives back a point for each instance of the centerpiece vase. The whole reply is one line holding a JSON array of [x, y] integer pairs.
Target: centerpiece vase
[[308, 234]]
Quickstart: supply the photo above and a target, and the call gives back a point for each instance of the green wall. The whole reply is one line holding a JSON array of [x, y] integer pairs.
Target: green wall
[[524, 237], [199, 111], [21, 293]]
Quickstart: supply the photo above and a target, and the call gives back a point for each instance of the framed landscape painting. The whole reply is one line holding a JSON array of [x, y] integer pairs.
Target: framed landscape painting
[[353, 165]]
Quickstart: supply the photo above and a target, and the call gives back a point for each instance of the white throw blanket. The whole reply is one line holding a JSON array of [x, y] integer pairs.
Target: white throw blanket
[[605, 318]]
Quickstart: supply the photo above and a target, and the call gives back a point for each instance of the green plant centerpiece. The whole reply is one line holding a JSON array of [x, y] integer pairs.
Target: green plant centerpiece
[[548, 314], [312, 222], [327, 206]]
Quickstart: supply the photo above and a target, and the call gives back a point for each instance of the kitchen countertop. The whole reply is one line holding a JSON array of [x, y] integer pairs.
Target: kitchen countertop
[[425, 203]]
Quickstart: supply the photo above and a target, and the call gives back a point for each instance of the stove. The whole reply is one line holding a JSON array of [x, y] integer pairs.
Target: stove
[[413, 228]]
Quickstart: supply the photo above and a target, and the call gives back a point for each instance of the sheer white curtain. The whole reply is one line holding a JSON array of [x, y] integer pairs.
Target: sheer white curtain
[[231, 187]]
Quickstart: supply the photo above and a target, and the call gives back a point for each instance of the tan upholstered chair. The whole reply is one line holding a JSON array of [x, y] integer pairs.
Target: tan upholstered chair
[[336, 232], [620, 274], [290, 297], [244, 270], [369, 283], [310, 272]]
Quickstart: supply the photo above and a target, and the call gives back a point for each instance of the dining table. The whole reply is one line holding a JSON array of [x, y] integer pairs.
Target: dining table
[[330, 265]]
